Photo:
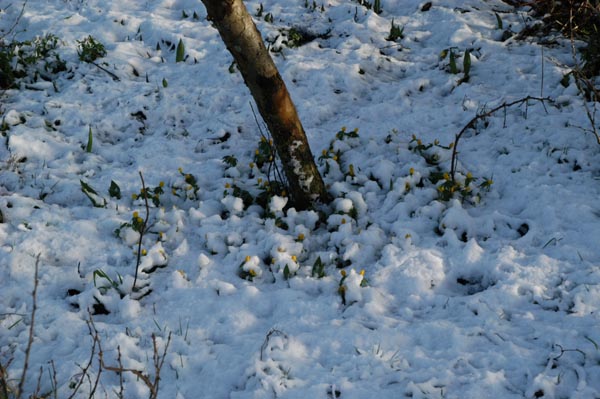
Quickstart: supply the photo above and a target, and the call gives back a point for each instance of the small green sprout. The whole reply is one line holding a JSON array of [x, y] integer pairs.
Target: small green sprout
[[90, 49]]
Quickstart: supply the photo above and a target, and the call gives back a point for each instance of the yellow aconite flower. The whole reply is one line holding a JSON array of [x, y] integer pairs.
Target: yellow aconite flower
[[411, 171], [263, 139], [300, 237], [180, 170], [251, 165], [324, 152], [136, 214], [407, 236], [343, 220], [469, 175], [252, 272], [161, 184], [247, 258], [294, 258], [335, 158], [227, 185], [144, 252], [362, 272], [343, 273], [256, 152], [343, 129], [446, 176], [134, 196]]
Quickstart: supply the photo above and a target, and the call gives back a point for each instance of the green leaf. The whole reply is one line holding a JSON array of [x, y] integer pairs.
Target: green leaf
[[318, 269], [467, 63], [101, 274], [453, 68], [165, 83], [499, 21], [86, 188], [90, 143], [377, 7], [286, 272], [230, 160], [114, 190], [180, 54], [92, 195]]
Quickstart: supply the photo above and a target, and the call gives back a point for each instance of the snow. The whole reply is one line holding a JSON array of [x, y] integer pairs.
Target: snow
[[494, 295]]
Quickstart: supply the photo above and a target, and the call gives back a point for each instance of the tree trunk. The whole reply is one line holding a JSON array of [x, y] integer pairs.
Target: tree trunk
[[244, 42]]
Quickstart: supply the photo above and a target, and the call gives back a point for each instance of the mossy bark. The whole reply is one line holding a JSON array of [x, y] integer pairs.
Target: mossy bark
[[244, 42]]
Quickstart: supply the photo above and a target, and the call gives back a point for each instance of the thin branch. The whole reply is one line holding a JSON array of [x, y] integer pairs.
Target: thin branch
[[112, 75], [142, 231], [85, 370], [159, 360], [53, 379], [120, 363], [17, 20], [542, 81], [4, 379], [472, 125], [580, 80], [31, 327], [273, 167]]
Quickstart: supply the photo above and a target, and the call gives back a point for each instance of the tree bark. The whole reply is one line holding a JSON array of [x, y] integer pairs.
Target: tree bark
[[244, 42]]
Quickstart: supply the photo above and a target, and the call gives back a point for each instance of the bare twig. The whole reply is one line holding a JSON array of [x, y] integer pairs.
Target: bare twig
[[16, 22], [52, 373], [581, 80], [112, 75], [86, 369], [542, 80], [4, 386], [159, 360], [472, 125], [31, 327], [38, 386], [271, 333], [142, 231], [120, 363], [273, 168]]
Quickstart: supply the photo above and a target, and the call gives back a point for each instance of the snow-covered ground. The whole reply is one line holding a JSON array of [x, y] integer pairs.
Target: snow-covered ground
[[390, 292]]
